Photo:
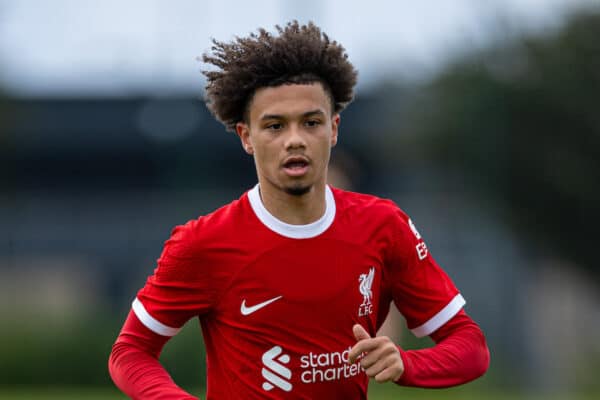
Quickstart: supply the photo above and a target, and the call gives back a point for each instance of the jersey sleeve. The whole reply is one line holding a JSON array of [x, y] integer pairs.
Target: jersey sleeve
[[421, 290], [181, 287]]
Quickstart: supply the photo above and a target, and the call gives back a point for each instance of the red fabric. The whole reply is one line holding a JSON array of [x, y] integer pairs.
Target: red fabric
[[202, 265], [134, 365], [217, 266], [212, 266], [459, 356]]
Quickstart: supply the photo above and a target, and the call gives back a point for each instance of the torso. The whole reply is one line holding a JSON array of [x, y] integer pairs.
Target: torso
[[297, 299], [277, 302]]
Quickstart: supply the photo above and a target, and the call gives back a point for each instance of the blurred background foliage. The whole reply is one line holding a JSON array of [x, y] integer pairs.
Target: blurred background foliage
[[505, 136], [520, 124]]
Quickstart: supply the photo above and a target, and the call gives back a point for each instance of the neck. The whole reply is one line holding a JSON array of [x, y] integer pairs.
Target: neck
[[291, 209]]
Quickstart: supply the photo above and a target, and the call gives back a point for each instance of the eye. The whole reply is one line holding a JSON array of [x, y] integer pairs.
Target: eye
[[312, 122], [275, 126]]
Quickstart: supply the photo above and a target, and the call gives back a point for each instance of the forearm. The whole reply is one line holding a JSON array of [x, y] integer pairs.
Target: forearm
[[134, 365], [459, 356]]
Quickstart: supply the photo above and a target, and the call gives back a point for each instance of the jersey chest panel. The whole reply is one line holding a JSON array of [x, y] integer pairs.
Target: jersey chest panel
[[326, 282], [299, 301]]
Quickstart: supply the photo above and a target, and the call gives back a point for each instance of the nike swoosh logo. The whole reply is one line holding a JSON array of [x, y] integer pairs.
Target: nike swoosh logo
[[249, 310]]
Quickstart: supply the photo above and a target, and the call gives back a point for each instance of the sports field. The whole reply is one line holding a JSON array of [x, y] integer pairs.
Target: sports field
[[376, 392]]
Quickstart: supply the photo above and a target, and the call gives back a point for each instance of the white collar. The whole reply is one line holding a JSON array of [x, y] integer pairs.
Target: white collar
[[288, 230]]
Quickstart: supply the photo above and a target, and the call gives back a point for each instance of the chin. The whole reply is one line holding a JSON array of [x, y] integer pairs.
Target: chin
[[297, 190]]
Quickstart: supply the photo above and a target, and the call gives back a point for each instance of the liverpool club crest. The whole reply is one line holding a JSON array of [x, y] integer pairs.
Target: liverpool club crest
[[365, 281]]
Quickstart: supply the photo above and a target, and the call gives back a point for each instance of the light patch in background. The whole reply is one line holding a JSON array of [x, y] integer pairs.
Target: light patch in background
[[150, 47], [168, 120], [61, 286]]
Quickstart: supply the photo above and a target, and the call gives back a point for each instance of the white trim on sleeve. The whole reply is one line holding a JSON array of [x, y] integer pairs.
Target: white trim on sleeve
[[440, 318], [150, 322]]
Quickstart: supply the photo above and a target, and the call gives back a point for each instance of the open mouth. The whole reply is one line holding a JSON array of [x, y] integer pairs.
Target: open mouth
[[296, 166]]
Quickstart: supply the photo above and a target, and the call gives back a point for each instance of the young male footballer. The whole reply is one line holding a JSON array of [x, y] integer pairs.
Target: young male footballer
[[291, 281]]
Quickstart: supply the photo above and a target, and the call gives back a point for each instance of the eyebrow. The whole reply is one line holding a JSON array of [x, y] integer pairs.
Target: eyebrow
[[304, 115]]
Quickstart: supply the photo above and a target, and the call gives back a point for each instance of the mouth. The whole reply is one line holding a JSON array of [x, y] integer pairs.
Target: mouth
[[296, 166]]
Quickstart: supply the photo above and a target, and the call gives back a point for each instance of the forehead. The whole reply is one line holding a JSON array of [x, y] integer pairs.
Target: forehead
[[289, 100]]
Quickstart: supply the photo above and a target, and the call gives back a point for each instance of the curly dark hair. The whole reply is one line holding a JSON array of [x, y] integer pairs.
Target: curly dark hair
[[300, 54]]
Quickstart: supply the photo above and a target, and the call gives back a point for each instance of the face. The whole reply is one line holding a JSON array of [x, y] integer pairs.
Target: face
[[290, 132]]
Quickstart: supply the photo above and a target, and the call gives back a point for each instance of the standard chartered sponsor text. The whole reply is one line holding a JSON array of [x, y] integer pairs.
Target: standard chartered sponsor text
[[325, 367]]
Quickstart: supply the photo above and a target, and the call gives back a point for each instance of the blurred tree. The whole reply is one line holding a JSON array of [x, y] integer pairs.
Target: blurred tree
[[521, 123]]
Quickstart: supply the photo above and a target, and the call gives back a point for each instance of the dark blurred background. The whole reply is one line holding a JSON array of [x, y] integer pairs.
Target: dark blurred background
[[490, 141]]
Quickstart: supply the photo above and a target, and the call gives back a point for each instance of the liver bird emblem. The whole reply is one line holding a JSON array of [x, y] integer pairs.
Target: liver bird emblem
[[365, 283]]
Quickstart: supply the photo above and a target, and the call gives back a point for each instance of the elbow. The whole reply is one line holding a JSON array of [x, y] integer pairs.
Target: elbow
[[477, 358], [113, 360], [119, 361], [486, 358], [481, 359]]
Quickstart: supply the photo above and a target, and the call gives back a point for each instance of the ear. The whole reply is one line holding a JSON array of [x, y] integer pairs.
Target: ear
[[335, 122], [243, 131]]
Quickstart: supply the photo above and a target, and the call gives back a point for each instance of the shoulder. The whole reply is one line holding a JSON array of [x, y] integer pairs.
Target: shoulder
[[196, 251], [375, 215], [368, 205], [196, 235]]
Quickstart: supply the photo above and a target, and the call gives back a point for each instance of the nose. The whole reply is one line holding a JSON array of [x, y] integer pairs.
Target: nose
[[295, 138]]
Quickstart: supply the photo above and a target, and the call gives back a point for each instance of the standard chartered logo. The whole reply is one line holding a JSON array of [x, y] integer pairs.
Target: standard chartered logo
[[274, 372], [327, 367], [313, 368]]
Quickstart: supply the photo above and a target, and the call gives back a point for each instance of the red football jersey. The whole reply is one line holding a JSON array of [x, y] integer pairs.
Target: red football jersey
[[277, 302]]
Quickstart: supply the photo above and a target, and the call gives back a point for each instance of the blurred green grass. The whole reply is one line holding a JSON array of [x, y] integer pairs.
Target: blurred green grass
[[69, 362], [376, 392]]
